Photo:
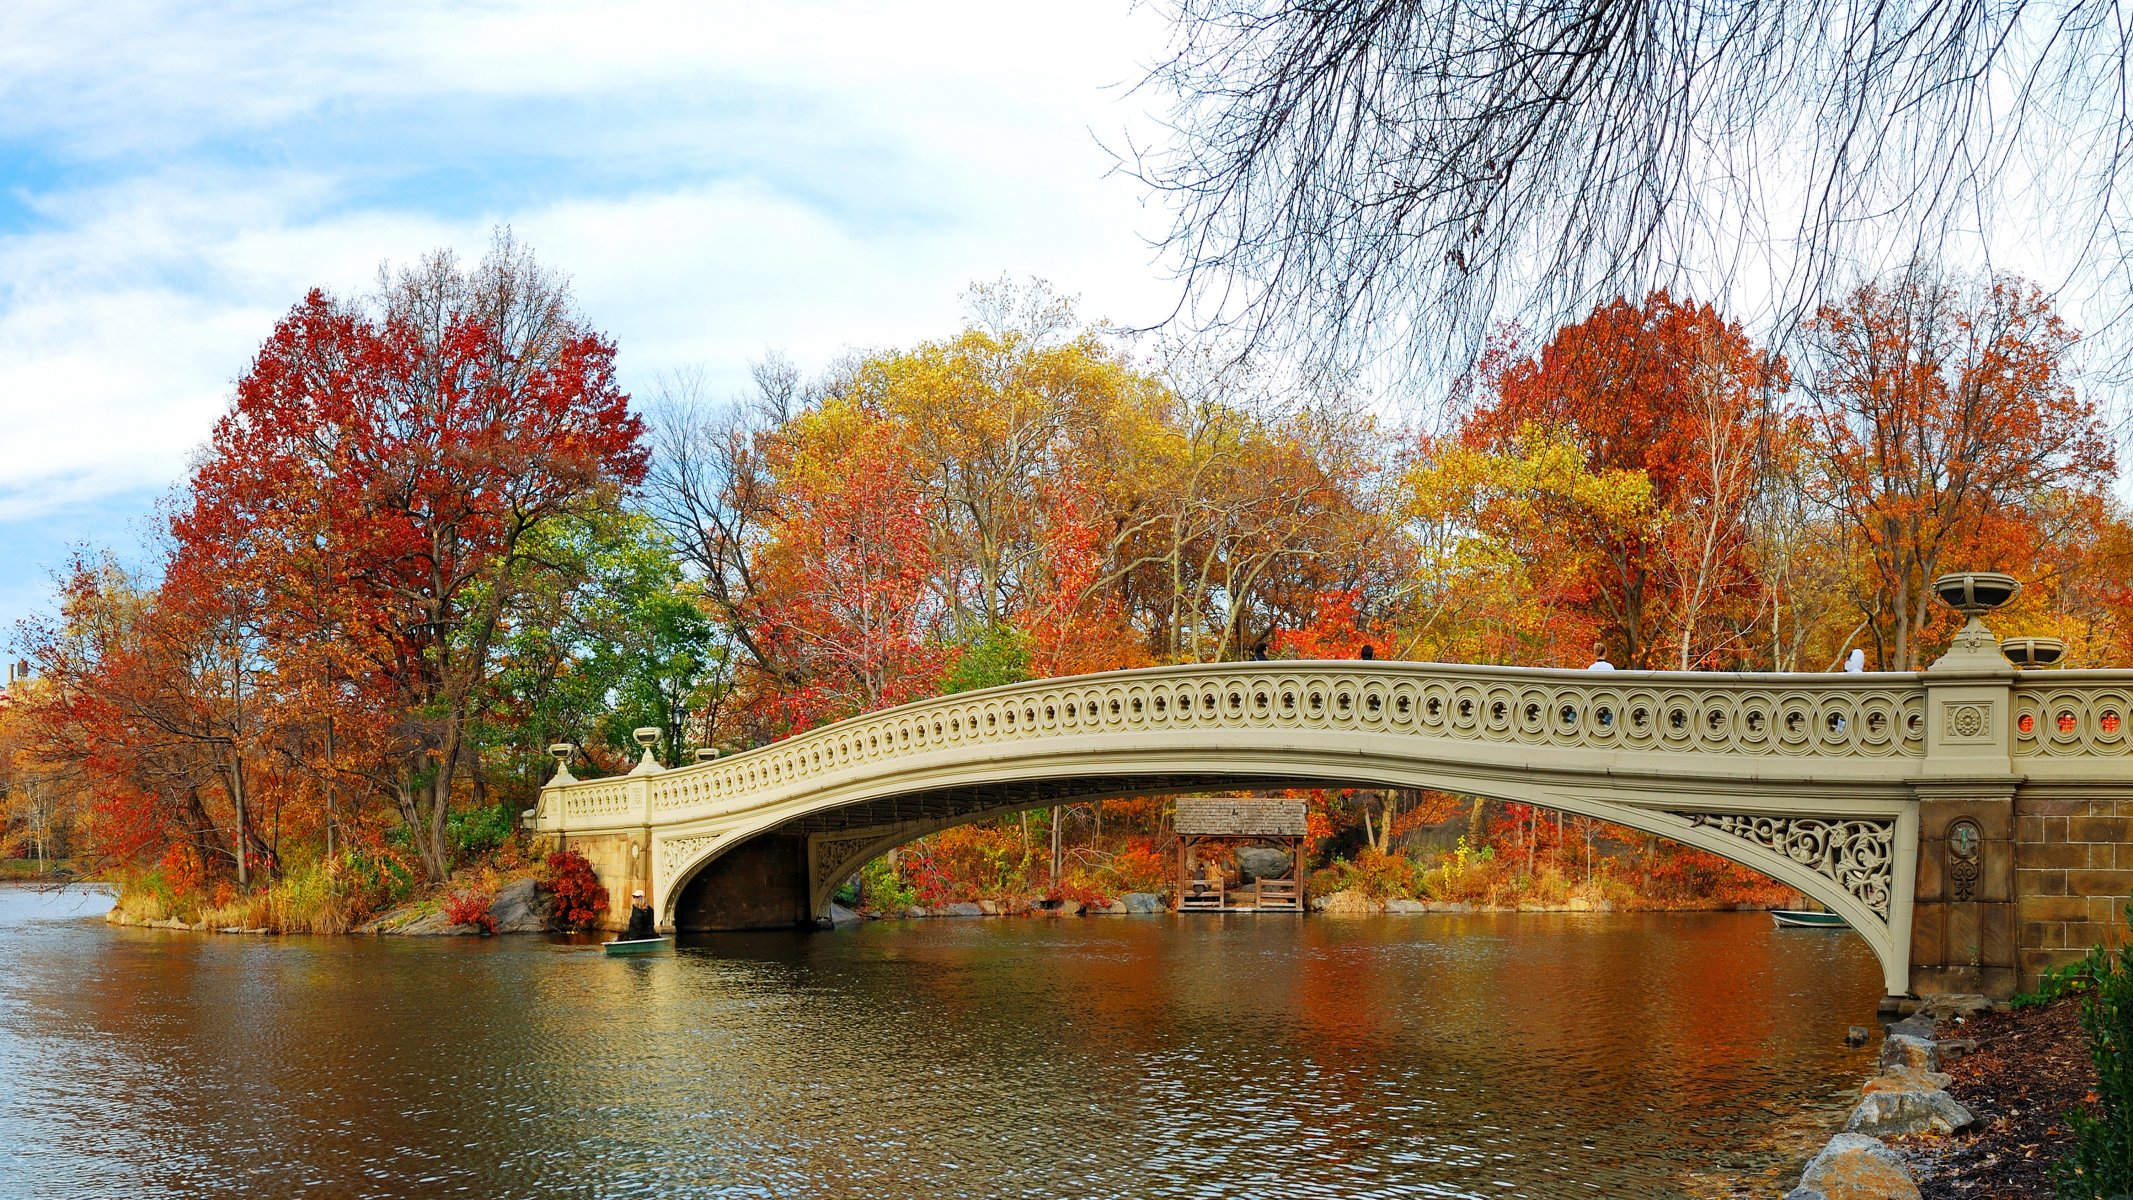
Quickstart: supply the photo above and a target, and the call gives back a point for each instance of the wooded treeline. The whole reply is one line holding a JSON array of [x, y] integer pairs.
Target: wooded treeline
[[431, 536]]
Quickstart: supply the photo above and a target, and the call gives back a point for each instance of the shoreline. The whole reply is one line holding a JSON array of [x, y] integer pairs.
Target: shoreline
[[1969, 1102]]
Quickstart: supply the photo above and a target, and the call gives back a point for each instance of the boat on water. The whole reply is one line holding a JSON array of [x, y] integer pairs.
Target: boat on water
[[637, 945], [1795, 918]]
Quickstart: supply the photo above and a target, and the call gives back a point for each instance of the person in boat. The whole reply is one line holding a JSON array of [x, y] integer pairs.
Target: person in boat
[[640, 927]]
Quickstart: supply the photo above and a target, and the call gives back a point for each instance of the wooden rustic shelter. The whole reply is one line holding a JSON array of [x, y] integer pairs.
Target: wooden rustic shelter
[[1261, 820]]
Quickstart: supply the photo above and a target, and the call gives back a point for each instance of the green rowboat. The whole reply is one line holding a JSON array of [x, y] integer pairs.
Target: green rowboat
[[1793, 918], [638, 946]]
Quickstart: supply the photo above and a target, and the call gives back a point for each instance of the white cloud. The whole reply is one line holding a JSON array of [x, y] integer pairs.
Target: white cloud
[[717, 179]]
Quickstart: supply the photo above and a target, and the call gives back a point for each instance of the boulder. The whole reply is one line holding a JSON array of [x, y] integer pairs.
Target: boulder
[[1888, 1113], [1057, 908], [1856, 1036], [1953, 1006], [1907, 1079], [1852, 1167], [1951, 1049], [917, 911], [963, 909], [1905, 1050], [1401, 904], [1142, 902], [840, 915], [519, 907], [990, 908], [1450, 906], [1117, 908], [1263, 862], [1916, 1025], [1345, 902], [408, 923]]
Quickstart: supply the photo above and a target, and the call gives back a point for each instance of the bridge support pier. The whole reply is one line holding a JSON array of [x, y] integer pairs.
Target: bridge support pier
[[1963, 921]]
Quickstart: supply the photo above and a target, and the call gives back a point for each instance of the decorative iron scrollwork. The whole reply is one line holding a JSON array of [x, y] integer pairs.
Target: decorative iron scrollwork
[[679, 852], [1963, 842], [1859, 855]]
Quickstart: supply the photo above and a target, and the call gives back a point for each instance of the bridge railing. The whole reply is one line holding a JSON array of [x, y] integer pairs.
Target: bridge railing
[[1739, 716], [2073, 714]]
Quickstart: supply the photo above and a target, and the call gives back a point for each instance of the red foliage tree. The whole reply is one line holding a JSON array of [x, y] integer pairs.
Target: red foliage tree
[[1678, 392], [377, 480]]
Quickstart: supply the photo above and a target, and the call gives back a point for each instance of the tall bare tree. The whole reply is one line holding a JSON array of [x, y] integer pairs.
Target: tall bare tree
[[1353, 179]]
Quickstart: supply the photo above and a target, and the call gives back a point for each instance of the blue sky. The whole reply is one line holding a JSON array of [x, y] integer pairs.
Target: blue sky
[[718, 180]]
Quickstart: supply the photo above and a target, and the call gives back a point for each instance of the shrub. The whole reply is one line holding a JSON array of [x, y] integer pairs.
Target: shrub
[[578, 897], [2101, 1161], [1138, 867], [470, 908], [882, 889], [477, 832]]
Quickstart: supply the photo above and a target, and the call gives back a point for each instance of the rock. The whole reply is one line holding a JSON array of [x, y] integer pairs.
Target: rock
[[840, 915], [1917, 1025], [1852, 1167], [430, 924], [1401, 904], [1951, 1049], [519, 907], [1888, 1113], [963, 909], [1906, 1050], [1450, 906], [1907, 1079], [1953, 1006], [1057, 908], [917, 911], [1345, 902], [1857, 1035], [1117, 908], [1263, 862], [1142, 902], [990, 908]]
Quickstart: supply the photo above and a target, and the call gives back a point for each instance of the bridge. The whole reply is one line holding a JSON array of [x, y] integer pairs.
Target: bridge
[[1972, 822]]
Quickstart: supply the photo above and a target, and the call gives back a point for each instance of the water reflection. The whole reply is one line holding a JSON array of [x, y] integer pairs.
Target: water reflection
[[1413, 1056]]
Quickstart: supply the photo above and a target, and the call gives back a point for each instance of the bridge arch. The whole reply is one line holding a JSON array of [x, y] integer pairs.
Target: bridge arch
[[1807, 779]]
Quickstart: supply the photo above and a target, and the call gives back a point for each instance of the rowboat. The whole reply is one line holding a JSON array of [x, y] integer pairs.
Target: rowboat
[[1794, 918], [638, 945]]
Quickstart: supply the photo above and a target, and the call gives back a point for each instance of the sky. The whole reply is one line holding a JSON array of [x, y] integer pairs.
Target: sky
[[718, 181]]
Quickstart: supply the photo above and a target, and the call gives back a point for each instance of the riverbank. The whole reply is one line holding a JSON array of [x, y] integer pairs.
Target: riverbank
[[2030, 1068]]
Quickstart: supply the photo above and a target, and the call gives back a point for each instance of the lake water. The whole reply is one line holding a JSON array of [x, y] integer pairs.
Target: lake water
[[1495, 1055]]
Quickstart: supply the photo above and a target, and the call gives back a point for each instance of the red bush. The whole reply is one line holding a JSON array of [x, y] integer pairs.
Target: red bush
[[578, 895], [470, 908]]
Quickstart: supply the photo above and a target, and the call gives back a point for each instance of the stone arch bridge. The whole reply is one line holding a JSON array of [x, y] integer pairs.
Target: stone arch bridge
[[1971, 821]]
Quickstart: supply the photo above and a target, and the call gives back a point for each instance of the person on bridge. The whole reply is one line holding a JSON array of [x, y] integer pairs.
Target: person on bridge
[[640, 928], [1599, 658]]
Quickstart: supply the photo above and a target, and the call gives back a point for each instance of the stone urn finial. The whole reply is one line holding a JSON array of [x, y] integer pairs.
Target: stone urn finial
[[1973, 594], [2033, 651], [560, 752], [646, 736]]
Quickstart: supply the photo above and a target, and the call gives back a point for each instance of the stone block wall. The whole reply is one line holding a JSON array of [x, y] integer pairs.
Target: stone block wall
[[618, 869], [2073, 876]]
